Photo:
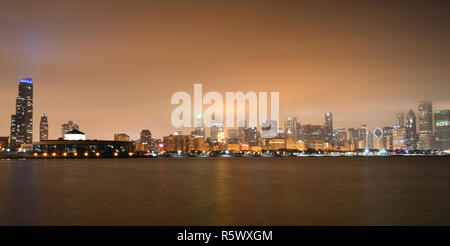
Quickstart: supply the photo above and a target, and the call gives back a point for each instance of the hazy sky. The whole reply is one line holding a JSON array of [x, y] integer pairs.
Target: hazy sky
[[112, 66]]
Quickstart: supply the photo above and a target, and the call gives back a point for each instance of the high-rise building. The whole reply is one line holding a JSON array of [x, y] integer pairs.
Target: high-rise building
[[22, 121], [43, 128], [387, 137], [291, 125], [251, 136], [269, 129], [362, 135], [121, 137], [241, 126], [145, 141], [411, 131], [398, 138], [425, 126], [69, 126], [353, 136], [145, 137], [442, 129], [328, 127], [313, 136], [400, 120]]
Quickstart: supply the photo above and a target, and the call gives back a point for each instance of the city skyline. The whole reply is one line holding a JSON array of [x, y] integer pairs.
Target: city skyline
[[362, 61], [398, 119]]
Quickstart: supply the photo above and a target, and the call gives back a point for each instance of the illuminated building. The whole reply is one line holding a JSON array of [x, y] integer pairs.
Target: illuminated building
[[442, 129], [362, 135], [198, 132], [235, 147], [221, 137], [328, 127], [387, 137], [43, 128], [378, 139], [145, 141], [75, 135], [216, 127], [4, 143], [251, 136], [300, 145], [400, 119], [293, 126], [175, 143], [353, 136], [69, 126], [121, 137], [277, 143], [411, 131], [425, 126], [313, 135], [398, 138], [269, 128], [290, 140], [22, 121], [90, 148]]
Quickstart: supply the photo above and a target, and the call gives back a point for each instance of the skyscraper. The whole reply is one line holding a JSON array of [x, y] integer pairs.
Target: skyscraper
[[22, 121], [293, 126], [425, 126], [400, 119], [269, 129], [328, 127], [442, 129], [387, 137], [362, 134], [398, 135], [411, 131], [43, 128], [69, 126]]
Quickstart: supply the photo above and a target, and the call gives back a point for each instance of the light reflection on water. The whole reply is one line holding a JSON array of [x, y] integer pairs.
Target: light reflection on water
[[228, 191]]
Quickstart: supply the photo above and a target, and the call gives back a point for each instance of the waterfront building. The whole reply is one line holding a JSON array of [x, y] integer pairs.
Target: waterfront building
[[290, 140], [82, 148], [328, 127], [269, 129], [4, 143], [387, 137], [313, 136], [353, 136], [75, 135], [442, 129], [251, 136], [43, 128], [425, 126], [399, 138], [22, 121], [69, 126], [276, 143], [121, 137], [411, 131], [362, 135], [179, 143], [293, 126]]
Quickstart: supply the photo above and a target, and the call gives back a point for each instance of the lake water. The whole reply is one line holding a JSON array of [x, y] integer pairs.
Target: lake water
[[234, 191]]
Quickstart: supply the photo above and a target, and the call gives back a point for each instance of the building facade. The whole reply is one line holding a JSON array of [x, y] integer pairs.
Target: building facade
[[442, 129], [43, 128], [22, 122], [425, 126]]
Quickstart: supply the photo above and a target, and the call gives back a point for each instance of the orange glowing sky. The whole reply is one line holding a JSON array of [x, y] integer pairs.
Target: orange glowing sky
[[112, 66]]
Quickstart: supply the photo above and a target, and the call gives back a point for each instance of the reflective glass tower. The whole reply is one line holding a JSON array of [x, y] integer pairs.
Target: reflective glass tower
[[22, 121], [425, 126]]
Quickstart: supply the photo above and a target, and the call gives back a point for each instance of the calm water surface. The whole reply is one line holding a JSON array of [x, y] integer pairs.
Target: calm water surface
[[277, 191]]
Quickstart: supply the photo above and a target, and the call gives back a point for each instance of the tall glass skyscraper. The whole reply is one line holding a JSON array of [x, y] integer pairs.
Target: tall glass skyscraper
[[442, 129], [425, 126], [411, 131], [328, 127], [22, 121], [43, 128]]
